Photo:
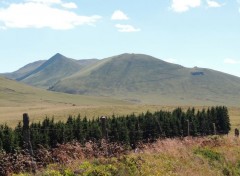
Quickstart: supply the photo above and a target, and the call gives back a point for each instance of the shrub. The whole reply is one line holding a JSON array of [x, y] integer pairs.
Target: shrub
[[209, 154]]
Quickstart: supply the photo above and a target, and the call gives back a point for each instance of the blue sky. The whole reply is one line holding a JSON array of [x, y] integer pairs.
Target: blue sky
[[203, 33]]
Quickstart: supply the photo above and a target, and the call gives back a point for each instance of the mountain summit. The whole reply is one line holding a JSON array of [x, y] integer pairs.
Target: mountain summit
[[143, 78], [138, 78], [51, 71], [47, 72]]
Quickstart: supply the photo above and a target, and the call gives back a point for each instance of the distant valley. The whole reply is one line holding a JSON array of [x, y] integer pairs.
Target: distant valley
[[137, 78]]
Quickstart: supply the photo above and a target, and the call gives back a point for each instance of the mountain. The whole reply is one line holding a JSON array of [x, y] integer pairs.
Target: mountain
[[24, 70], [137, 78], [45, 73], [51, 71], [145, 79]]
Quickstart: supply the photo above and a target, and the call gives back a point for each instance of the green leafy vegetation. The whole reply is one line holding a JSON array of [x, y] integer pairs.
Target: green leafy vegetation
[[218, 160], [209, 154]]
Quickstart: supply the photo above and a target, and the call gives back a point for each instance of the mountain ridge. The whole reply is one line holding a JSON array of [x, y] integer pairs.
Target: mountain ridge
[[140, 78], [32, 72], [24, 70], [51, 71], [137, 76]]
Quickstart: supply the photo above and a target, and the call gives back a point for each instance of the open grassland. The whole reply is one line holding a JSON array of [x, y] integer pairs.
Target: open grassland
[[208, 156], [17, 98]]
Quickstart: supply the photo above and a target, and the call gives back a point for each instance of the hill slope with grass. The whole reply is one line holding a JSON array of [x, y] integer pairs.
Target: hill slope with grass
[[17, 98], [45, 73], [51, 71], [145, 79], [24, 70], [13, 93]]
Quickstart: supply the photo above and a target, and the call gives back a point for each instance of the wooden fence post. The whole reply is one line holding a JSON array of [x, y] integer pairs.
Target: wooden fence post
[[214, 129], [236, 132], [104, 127], [188, 126], [26, 133], [105, 135]]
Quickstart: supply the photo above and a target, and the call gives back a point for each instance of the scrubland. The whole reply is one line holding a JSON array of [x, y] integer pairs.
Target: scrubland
[[208, 156]]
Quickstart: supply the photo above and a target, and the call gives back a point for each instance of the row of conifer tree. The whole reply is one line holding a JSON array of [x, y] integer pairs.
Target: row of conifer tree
[[129, 130]]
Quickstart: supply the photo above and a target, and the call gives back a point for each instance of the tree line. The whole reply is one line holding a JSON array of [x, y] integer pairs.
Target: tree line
[[129, 129]]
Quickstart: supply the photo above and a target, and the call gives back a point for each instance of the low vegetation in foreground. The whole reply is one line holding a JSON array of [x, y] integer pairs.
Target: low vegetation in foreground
[[208, 156]]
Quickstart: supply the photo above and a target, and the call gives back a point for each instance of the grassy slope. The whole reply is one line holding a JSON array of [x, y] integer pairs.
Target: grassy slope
[[54, 69], [144, 79], [17, 98], [24, 70], [87, 62]]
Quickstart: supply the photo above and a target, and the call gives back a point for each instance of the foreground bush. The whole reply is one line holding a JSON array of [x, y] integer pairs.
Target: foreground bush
[[206, 156]]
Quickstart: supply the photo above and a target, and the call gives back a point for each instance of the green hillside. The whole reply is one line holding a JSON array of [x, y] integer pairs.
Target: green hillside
[[87, 62], [136, 78], [15, 94], [144, 79], [45, 73], [24, 70], [58, 60], [17, 98], [51, 71]]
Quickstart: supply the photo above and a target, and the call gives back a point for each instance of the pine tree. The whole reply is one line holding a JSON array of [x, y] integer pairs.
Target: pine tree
[[69, 134], [114, 127], [1, 137], [94, 131], [78, 129], [85, 129], [123, 131], [223, 120], [8, 139], [18, 133]]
